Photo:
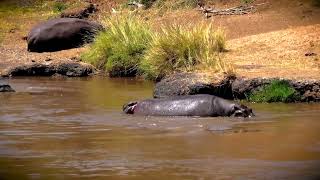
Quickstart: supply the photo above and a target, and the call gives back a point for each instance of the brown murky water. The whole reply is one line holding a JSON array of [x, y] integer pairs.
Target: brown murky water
[[74, 129]]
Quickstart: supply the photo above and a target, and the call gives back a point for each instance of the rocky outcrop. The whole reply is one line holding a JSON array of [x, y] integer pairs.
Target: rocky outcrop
[[194, 83], [70, 69], [308, 89], [229, 87], [6, 88]]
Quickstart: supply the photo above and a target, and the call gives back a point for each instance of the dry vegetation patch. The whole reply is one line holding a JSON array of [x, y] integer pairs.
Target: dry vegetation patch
[[278, 54]]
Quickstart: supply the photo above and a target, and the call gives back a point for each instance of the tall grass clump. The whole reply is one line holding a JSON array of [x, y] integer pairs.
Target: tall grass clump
[[178, 48], [120, 48], [276, 91]]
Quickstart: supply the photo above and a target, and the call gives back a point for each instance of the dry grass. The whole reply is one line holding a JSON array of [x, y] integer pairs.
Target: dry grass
[[278, 54]]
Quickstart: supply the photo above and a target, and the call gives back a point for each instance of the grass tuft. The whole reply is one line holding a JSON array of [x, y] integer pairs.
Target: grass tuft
[[120, 49], [178, 48], [59, 6], [175, 4], [276, 91]]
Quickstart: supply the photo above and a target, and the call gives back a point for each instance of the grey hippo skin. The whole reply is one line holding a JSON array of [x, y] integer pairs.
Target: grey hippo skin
[[61, 33], [191, 105]]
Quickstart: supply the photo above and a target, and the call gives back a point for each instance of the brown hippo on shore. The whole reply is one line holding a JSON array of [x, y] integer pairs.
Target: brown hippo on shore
[[191, 105], [61, 33]]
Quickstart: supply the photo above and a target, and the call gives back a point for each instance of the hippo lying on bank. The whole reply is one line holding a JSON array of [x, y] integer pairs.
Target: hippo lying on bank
[[61, 33], [191, 105]]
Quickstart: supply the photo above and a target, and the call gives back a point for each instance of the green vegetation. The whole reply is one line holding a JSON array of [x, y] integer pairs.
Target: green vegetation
[[120, 49], [276, 91], [177, 48], [59, 6], [129, 47]]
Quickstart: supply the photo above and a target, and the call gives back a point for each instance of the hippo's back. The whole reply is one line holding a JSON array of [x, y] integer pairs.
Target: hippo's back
[[61, 33], [193, 105]]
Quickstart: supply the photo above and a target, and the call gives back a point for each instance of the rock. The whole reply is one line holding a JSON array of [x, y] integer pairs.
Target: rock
[[308, 89], [6, 88], [80, 13], [74, 69], [229, 87], [242, 87], [310, 54], [68, 68], [194, 83]]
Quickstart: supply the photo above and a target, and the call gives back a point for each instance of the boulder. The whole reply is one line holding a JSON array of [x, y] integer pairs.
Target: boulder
[[194, 83]]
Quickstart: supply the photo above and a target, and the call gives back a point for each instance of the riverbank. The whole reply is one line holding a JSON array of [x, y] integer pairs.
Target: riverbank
[[280, 40], [232, 87]]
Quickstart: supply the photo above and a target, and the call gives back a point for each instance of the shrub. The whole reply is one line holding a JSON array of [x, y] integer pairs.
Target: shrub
[[276, 91], [177, 48], [120, 49]]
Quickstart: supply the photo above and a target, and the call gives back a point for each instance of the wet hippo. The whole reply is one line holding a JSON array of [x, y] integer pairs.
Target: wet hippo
[[61, 33], [191, 105]]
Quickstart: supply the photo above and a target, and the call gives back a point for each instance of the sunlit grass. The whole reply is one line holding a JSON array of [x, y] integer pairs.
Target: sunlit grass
[[276, 91], [178, 48], [120, 49]]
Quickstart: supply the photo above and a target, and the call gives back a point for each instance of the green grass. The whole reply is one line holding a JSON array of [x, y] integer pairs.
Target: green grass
[[120, 49], [129, 48], [178, 48], [59, 6], [276, 91]]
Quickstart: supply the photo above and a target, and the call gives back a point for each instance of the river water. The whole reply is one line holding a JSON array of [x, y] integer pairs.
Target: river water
[[75, 129]]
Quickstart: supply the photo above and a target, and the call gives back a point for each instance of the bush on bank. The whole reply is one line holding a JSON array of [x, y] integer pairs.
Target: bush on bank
[[178, 48], [120, 48], [276, 91], [129, 47]]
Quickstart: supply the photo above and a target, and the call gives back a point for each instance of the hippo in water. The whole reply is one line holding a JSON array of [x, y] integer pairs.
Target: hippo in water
[[61, 33], [190, 105]]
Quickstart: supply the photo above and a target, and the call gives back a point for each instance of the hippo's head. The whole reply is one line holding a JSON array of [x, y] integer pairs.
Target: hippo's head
[[129, 108], [242, 111]]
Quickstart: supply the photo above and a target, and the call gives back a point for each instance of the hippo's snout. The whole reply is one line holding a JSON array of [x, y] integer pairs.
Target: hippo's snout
[[129, 108], [243, 111]]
